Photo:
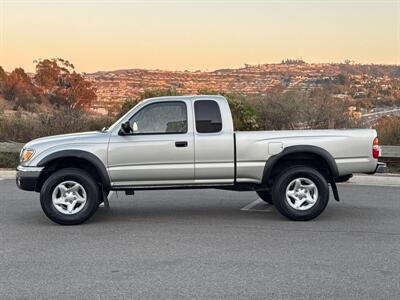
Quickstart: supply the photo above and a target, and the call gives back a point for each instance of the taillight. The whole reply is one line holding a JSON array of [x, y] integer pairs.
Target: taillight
[[376, 150]]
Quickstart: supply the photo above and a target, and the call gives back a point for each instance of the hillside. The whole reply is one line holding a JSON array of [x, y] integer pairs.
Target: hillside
[[352, 81]]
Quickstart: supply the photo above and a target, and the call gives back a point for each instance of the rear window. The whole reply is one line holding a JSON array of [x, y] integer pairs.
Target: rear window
[[208, 116]]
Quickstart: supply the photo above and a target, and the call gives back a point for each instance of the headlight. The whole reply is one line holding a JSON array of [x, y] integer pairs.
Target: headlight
[[26, 154]]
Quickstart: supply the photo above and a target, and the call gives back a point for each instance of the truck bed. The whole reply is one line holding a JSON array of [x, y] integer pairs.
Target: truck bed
[[350, 148]]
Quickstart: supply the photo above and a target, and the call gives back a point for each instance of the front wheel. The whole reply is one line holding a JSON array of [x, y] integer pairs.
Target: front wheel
[[300, 193], [69, 196]]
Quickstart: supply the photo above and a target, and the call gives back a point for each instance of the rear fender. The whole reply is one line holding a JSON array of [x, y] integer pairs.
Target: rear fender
[[325, 155]]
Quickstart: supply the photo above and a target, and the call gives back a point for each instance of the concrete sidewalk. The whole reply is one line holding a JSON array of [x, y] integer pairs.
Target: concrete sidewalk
[[380, 179], [357, 179], [7, 174]]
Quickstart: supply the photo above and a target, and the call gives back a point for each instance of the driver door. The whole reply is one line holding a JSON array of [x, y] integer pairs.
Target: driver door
[[160, 151]]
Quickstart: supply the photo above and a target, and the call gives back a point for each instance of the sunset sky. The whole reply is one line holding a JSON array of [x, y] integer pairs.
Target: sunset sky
[[205, 35]]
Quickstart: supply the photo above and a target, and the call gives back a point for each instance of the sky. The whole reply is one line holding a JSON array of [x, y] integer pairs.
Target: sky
[[196, 34]]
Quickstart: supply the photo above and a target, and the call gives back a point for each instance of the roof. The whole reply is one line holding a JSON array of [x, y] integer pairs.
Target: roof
[[191, 98]]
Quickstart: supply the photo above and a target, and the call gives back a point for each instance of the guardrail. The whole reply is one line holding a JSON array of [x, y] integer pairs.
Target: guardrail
[[387, 151], [391, 151]]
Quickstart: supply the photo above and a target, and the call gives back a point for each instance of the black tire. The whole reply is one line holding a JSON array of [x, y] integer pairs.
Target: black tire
[[266, 196], [285, 179], [70, 174]]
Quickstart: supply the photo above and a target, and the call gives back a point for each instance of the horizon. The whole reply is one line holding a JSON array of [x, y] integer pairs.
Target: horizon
[[214, 70], [175, 35]]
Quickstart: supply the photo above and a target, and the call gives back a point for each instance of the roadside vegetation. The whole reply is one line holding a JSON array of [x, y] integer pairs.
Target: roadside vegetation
[[9, 159], [389, 130], [56, 100], [22, 127]]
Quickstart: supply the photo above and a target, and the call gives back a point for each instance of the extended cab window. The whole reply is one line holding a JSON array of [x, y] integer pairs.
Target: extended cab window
[[208, 116], [161, 118]]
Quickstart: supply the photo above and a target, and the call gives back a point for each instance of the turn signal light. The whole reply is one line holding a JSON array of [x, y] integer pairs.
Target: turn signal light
[[376, 150], [26, 155]]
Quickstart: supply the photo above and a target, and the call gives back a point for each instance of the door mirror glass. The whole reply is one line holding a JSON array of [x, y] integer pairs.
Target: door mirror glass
[[125, 129]]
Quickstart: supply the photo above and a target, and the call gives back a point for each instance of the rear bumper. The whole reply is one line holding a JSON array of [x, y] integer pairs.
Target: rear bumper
[[380, 168], [27, 177]]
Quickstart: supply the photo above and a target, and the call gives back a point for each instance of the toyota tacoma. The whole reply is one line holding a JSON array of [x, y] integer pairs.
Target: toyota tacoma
[[189, 142]]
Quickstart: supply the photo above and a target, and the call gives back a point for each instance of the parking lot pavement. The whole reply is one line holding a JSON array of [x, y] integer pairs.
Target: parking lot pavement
[[201, 244]]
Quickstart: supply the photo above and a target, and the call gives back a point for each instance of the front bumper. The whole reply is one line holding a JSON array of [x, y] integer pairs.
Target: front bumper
[[27, 177]]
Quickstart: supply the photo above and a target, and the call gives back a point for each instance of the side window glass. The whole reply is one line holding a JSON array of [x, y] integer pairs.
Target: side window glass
[[208, 116], [159, 118]]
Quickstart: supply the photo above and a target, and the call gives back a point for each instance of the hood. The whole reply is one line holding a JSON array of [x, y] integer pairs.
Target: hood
[[71, 138]]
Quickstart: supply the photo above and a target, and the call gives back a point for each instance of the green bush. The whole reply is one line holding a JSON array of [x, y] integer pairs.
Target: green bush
[[9, 159]]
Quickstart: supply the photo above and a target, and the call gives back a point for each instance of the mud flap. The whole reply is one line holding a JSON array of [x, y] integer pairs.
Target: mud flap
[[105, 200], [334, 189]]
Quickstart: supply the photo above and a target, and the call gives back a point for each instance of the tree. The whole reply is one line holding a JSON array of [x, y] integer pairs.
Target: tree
[[278, 111], [299, 110], [50, 72], [321, 111], [3, 80], [20, 90], [80, 92], [62, 84], [243, 114]]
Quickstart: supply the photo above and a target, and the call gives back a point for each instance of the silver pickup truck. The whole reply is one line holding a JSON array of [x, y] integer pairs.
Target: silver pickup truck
[[189, 142]]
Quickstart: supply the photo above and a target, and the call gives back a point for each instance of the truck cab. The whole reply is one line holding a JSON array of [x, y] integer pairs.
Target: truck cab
[[169, 142]]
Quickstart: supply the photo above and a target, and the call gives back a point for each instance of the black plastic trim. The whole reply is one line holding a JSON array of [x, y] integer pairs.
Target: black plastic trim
[[270, 163], [91, 158], [26, 183], [234, 159], [231, 187]]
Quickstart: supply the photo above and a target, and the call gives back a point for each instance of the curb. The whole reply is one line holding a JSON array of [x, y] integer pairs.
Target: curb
[[392, 180], [358, 179], [7, 174]]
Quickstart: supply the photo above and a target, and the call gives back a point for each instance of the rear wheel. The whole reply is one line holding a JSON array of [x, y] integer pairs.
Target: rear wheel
[[300, 193], [69, 196], [266, 196]]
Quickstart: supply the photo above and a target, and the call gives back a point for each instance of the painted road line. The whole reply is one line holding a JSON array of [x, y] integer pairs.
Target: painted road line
[[258, 205]]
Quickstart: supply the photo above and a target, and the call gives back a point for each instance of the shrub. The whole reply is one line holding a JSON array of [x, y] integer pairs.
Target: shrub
[[22, 127], [389, 131], [9, 159]]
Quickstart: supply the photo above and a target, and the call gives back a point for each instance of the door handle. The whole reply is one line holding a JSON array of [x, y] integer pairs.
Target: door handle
[[181, 144]]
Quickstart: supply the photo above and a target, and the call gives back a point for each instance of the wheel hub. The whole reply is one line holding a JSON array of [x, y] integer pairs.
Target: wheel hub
[[69, 197], [301, 193]]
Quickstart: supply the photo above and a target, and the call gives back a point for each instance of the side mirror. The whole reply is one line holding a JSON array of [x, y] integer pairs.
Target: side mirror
[[125, 129]]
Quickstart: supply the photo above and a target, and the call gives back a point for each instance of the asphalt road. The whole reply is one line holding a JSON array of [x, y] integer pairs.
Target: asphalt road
[[199, 244]]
